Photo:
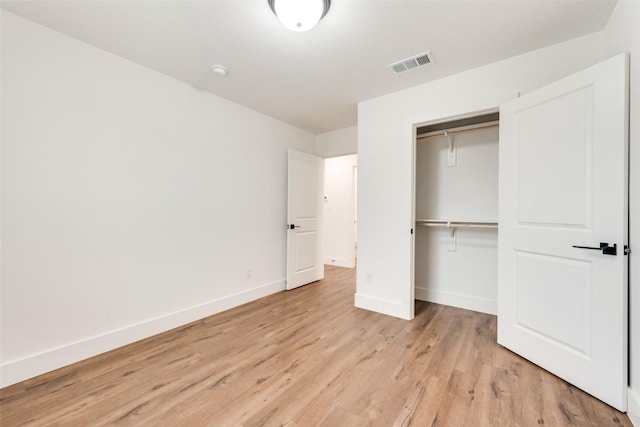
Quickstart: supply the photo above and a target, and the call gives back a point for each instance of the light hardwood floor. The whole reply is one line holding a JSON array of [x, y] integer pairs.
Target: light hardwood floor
[[307, 357]]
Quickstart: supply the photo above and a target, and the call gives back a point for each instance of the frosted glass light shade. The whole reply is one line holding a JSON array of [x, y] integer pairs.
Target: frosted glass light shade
[[299, 15]]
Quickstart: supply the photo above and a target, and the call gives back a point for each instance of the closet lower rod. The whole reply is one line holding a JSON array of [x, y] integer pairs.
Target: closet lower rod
[[458, 224]]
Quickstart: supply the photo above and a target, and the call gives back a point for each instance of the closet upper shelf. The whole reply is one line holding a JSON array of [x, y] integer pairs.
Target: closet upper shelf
[[451, 132], [466, 124], [456, 224]]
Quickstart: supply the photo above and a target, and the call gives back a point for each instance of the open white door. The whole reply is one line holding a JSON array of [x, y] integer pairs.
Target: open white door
[[304, 219], [563, 185]]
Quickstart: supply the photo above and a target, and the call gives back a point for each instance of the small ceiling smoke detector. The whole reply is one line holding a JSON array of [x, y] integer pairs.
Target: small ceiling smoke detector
[[219, 70], [415, 61]]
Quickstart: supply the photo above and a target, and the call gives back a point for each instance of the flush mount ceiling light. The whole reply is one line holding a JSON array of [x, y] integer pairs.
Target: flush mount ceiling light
[[300, 15]]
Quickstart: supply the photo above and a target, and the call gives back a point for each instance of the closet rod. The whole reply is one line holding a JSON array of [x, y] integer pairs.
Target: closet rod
[[456, 224], [442, 132]]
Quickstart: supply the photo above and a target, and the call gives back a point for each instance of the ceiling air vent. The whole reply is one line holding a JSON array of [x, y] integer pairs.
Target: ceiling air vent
[[411, 63]]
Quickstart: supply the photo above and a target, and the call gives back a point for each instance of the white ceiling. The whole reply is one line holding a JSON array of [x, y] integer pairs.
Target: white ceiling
[[314, 80]]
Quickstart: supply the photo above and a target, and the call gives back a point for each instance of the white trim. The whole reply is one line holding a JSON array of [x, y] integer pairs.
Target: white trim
[[467, 302], [633, 407], [384, 306], [339, 262], [36, 364]]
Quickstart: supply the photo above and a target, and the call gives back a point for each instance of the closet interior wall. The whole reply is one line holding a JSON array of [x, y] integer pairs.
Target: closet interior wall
[[457, 183]]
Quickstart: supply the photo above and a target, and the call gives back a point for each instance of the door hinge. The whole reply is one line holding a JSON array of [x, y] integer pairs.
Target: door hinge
[[627, 250], [412, 231]]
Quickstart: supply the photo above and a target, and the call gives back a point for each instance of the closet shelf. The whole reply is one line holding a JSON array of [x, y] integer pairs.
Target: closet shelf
[[456, 224], [464, 129]]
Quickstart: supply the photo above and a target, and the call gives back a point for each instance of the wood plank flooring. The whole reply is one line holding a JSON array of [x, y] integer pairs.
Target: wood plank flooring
[[307, 357]]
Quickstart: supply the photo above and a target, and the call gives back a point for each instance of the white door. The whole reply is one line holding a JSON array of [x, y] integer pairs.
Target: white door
[[304, 219], [563, 184]]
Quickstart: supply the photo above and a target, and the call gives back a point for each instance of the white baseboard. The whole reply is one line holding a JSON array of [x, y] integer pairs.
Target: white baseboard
[[28, 367], [379, 305], [633, 407], [457, 300], [340, 262]]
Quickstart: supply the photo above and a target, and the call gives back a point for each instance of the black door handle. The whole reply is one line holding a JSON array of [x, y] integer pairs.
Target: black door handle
[[604, 247], [292, 226]]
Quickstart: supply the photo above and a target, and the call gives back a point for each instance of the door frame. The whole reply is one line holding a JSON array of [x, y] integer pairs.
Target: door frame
[[349, 262]]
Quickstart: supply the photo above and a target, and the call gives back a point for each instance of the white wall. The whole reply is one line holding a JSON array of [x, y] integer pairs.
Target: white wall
[[385, 153], [339, 211], [131, 202], [337, 143], [459, 270], [622, 33]]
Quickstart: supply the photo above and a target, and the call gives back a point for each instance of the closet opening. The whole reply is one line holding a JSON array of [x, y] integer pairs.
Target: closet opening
[[456, 212]]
